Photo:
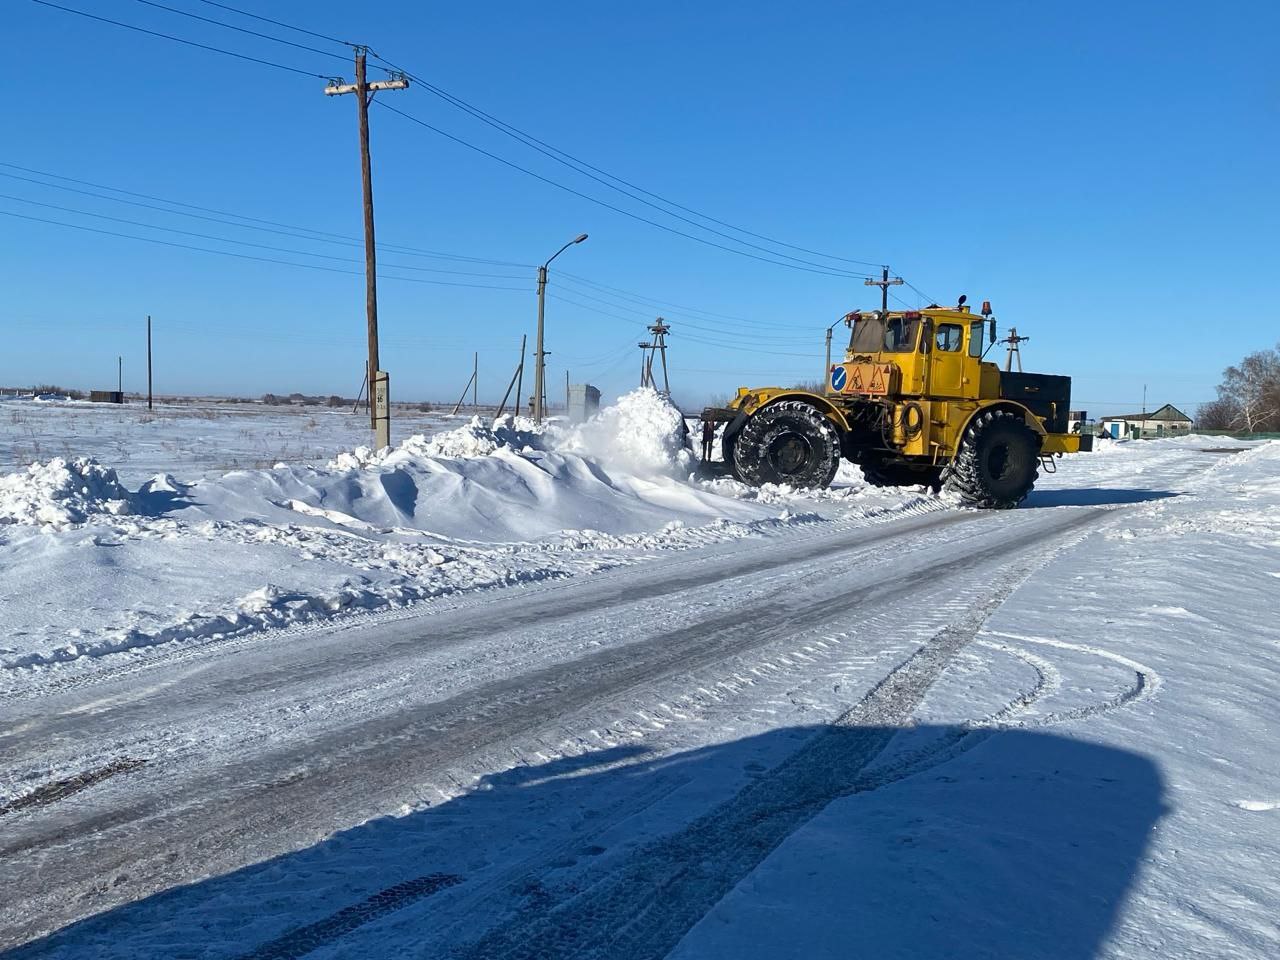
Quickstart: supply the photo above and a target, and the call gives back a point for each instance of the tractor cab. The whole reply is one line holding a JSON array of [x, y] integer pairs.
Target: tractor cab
[[934, 352]]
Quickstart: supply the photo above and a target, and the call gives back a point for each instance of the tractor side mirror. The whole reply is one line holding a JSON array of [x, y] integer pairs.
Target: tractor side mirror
[[993, 329]]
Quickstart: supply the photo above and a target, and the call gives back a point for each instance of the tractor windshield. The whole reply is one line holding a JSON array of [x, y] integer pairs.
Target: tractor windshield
[[875, 334]]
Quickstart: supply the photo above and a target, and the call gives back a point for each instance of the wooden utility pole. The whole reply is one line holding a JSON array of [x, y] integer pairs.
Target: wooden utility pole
[[516, 382], [364, 92], [120, 376], [475, 379], [884, 283], [826, 371], [463, 399], [148, 361]]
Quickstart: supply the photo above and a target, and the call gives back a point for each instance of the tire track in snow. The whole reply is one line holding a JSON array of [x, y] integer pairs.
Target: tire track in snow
[[57, 790], [303, 940], [1049, 680], [624, 571], [1145, 684], [643, 908]]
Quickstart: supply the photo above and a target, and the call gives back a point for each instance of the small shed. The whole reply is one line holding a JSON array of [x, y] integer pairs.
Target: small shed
[[584, 402], [1168, 421], [106, 396]]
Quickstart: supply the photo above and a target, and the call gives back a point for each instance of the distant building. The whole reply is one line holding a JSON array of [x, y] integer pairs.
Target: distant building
[[584, 402], [1168, 421]]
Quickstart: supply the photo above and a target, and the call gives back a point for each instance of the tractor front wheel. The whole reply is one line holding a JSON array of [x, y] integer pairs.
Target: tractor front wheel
[[997, 463], [787, 443]]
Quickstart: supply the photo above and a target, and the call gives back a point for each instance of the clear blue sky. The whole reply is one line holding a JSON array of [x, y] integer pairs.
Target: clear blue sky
[[1104, 173]]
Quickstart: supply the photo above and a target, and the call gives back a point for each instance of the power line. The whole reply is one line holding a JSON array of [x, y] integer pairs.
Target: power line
[[278, 23], [300, 232], [662, 304], [693, 338], [683, 323], [798, 264], [248, 243], [189, 43], [769, 351], [252, 33], [734, 326], [321, 235], [537, 145], [595, 310], [578, 165], [606, 204], [928, 299], [246, 256]]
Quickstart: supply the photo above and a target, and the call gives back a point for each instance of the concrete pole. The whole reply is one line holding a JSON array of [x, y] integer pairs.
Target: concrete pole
[[539, 360]]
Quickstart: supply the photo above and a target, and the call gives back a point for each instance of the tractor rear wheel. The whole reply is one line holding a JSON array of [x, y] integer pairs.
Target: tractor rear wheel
[[997, 463], [881, 474], [789, 442]]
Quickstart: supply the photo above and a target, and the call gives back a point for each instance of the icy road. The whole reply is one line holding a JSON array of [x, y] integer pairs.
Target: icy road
[[1042, 733]]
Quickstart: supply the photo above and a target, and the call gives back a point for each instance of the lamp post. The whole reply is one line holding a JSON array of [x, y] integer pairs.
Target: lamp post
[[539, 363]]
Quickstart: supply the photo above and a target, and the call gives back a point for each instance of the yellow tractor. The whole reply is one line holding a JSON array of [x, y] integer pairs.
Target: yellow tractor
[[913, 402]]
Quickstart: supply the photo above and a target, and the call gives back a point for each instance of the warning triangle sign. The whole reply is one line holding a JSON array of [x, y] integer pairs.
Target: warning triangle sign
[[877, 380], [855, 382]]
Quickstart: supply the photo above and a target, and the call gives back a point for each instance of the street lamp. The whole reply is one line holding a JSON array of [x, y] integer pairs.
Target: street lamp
[[539, 363]]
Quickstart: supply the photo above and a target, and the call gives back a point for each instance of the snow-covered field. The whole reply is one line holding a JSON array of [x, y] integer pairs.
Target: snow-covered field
[[500, 693], [193, 439]]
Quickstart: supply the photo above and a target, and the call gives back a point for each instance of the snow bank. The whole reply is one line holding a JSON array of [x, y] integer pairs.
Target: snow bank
[[643, 433], [475, 439], [61, 493]]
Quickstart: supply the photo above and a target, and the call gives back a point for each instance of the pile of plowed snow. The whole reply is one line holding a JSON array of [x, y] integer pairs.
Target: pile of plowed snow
[[475, 439], [643, 433], [61, 493], [509, 480]]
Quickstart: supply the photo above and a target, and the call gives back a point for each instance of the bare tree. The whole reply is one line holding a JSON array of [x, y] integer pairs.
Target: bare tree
[[1254, 388], [1220, 414]]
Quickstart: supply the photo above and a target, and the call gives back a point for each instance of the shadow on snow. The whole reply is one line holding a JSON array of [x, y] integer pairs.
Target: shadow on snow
[[807, 841], [1093, 497]]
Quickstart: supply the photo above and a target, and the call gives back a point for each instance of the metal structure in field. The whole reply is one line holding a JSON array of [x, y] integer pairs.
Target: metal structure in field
[[655, 347]]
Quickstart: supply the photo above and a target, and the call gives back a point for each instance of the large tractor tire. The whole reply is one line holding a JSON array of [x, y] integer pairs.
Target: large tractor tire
[[997, 463], [789, 442], [901, 475]]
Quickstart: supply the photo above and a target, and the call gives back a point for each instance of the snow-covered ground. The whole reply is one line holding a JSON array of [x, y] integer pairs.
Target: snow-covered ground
[[192, 439], [708, 722]]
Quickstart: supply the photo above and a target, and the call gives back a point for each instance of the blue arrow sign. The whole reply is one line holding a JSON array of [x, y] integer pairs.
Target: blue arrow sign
[[838, 377]]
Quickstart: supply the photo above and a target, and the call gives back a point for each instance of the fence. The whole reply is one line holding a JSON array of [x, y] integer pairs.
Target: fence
[[1238, 434]]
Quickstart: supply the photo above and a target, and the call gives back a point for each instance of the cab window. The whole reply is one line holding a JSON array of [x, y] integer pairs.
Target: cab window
[[900, 334], [949, 337], [975, 338]]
